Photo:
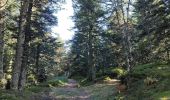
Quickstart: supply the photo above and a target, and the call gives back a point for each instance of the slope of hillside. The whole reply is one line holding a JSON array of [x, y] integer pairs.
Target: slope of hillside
[[150, 82]]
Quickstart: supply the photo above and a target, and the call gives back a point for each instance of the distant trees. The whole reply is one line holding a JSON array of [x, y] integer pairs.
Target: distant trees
[[123, 33], [86, 39], [103, 35]]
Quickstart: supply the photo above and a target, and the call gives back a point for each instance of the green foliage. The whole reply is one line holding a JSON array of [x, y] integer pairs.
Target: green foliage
[[8, 97], [101, 91], [37, 88], [31, 79], [57, 81], [162, 95], [15, 95], [120, 72], [149, 81], [151, 69], [107, 78]]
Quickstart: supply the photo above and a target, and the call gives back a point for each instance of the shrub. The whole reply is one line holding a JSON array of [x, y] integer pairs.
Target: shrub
[[57, 81], [120, 72], [150, 80], [32, 79]]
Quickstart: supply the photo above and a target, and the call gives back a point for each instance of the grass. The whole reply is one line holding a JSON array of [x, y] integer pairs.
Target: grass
[[101, 91], [162, 95], [140, 89], [33, 90], [15, 95], [37, 89]]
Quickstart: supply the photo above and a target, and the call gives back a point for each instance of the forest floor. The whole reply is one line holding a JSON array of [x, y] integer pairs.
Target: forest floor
[[148, 82], [72, 91]]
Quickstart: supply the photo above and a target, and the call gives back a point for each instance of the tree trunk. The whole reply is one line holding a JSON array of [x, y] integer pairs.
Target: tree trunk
[[91, 65], [20, 44], [22, 79], [38, 69], [1, 47], [37, 59], [2, 7]]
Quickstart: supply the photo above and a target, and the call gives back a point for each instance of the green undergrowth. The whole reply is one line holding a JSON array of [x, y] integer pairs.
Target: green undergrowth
[[57, 81], [83, 81], [150, 82], [101, 91], [15, 95], [27, 94], [45, 86], [33, 90], [37, 89]]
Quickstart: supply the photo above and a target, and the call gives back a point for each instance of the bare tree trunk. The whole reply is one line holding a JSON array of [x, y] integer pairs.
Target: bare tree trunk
[[20, 44]]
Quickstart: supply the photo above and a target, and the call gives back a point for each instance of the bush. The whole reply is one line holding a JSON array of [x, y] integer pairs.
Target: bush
[[120, 72], [150, 80], [32, 79], [8, 97], [57, 81]]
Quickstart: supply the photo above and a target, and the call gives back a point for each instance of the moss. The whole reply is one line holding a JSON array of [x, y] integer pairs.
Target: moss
[[162, 95], [148, 81]]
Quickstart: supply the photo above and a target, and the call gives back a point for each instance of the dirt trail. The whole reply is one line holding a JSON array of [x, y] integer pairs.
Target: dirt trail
[[70, 91]]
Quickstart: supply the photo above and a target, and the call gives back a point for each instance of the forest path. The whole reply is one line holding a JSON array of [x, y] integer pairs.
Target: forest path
[[70, 91]]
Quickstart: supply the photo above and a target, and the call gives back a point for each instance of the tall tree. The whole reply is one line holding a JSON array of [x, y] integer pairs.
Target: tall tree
[[87, 14], [24, 65], [20, 44], [3, 4]]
